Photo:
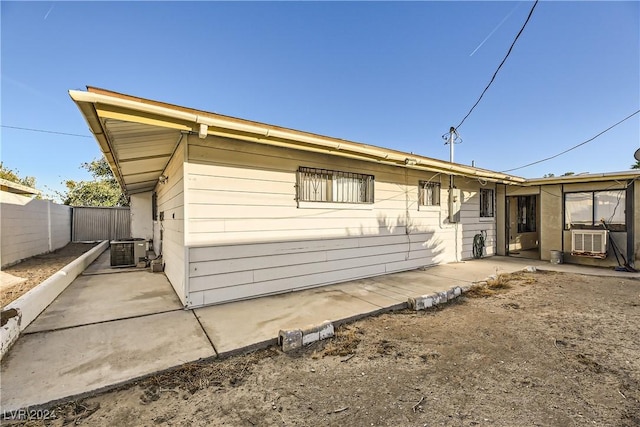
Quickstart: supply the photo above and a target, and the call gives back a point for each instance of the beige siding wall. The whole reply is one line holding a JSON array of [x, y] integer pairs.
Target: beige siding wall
[[30, 227], [247, 236], [470, 221], [170, 196]]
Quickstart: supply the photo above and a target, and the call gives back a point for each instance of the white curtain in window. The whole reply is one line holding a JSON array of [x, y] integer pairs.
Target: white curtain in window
[[610, 206], [578, 208], [314, 187], [349, 189]]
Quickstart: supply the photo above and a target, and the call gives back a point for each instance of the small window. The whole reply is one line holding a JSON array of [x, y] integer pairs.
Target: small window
[[323, 185], [526, 214], [486, 203], [429, 193]]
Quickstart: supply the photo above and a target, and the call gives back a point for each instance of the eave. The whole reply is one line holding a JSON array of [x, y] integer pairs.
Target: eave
[[592, 177], [105, 113]]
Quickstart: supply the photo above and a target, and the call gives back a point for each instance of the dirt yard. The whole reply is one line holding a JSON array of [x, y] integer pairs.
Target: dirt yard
[[37, 269], [538, 349]]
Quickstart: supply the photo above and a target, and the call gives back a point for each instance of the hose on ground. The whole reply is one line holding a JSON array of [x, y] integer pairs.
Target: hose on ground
[[478, 245]]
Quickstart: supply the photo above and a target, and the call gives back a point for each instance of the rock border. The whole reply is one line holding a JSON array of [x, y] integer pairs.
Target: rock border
[[293, 339], [424, 302]]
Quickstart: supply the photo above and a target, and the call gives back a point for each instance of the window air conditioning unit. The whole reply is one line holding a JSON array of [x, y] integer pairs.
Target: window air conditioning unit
[[591, 243]]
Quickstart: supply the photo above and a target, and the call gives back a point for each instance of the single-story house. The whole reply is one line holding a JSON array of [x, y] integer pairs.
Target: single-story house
[[240, 209]]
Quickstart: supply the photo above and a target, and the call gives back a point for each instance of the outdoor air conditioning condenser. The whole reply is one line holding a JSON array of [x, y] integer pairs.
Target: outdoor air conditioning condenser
[[127, 253]]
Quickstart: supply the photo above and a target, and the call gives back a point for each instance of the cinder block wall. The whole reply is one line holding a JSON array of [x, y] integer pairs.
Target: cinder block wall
[[31, 227]]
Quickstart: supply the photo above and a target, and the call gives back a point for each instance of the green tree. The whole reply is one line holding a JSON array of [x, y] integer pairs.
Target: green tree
[[636, 166], [103, 190], [551, 175], [14, 176]]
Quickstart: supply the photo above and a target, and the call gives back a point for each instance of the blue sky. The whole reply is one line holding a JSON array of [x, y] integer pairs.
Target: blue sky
[[392, 74]]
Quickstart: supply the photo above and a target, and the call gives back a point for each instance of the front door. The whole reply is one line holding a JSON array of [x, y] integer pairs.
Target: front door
[[523, 225]]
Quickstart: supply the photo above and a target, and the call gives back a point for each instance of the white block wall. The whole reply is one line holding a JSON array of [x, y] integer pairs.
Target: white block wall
[[31, 227]]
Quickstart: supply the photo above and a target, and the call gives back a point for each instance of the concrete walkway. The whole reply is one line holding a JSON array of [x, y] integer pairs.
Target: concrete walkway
[[107, 329]]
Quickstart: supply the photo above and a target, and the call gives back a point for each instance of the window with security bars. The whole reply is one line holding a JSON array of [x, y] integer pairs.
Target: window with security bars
[[429, 193], [323, 185], [486, 203]]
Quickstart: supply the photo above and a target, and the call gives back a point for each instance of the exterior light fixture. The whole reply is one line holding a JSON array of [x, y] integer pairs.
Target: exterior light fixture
[[163, 179]]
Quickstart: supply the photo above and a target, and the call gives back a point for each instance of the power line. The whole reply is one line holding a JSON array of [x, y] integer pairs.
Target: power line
[[47, 131], [501, 64], [575, 146]]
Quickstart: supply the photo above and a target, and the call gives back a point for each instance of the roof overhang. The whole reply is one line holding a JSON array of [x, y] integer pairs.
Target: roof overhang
[[14, 187], [138, 137], [591, 177]]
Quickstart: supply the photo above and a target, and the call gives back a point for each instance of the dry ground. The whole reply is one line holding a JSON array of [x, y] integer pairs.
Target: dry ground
[[38, 268], [543, 349]]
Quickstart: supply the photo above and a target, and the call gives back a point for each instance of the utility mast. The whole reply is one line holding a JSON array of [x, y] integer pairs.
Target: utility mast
[[452, 132], [451, 139], [454, 193]]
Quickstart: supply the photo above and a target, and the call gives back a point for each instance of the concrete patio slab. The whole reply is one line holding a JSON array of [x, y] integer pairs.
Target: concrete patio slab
[[374, 294], [46, 367], [588, 271], [246, 324], [242, 325], [99, 298], [477, 269], [412, 285]]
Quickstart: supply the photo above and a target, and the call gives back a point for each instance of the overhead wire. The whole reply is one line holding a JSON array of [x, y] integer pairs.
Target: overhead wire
[[46, 131], [574, 147], [501, 64]]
